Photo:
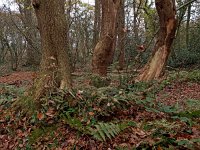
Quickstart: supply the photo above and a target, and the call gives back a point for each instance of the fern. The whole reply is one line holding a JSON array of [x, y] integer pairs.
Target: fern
[[102, 131], [74, 122]]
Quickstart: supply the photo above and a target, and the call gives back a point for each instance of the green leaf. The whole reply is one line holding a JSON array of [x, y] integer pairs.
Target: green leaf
[[101, 133], [109, 129], [98, 137], [182, 142], [105, 130], [196, 140], [114, 128]]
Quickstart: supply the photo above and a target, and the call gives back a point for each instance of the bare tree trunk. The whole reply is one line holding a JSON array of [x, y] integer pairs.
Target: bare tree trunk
[[188, 25], [135, 24], [55, 68], [33, 55], [121, 36], [103, 50], [96, 22], [167, 20]]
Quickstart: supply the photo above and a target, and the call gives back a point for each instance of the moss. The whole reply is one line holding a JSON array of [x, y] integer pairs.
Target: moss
[[25, 104], [99, 82], [40, 132], [190, 114]]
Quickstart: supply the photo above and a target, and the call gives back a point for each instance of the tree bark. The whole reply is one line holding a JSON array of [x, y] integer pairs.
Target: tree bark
[[55, 68], [103, 51], [33, 52], [135, 24], [188, 26], [97, 17], [121, 36], [168, 23]]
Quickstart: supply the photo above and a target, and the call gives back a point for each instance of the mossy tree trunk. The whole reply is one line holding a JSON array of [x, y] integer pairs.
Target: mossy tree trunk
[[167, 19], [55, 69], [103, 51]]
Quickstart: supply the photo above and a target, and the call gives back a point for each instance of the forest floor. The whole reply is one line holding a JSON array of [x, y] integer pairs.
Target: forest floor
[[118, 115]]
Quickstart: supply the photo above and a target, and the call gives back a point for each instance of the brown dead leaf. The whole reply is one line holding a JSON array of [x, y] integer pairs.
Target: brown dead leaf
[[71, 141], [40, 116], [159, 148], [20, 134], [91, 113], [139, 132], [21, 145], [26, 93], [50, 112], [124, 145], [88, 122]]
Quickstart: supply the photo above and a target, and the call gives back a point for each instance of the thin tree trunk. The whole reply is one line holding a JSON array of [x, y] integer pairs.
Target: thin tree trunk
[[96, 23], [188, 25], [167, 20], [33, 56], [135, 24], [121, 36]]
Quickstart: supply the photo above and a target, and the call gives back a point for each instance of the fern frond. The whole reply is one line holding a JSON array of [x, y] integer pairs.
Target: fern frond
[[102, 125], [105, 130], [101, 132]]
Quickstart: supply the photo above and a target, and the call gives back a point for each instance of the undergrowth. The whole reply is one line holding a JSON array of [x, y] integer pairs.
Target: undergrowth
[[97, 113], [9, 93]]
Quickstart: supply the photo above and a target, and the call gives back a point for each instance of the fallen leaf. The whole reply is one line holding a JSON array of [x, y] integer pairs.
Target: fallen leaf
[[91, 113], [159, 148], [50, 112], [40, 116]]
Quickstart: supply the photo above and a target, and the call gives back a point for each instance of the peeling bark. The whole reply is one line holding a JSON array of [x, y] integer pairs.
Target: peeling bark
[[168, 23], [103, 51]]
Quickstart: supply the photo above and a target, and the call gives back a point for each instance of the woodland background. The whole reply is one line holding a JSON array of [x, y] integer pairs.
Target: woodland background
[[109, 74], [19, 34]]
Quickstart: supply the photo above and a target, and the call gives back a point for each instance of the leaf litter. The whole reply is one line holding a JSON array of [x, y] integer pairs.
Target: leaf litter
[[16, 132]]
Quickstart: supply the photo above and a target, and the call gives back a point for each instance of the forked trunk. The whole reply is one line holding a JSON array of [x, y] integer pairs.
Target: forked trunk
[[167, 20]]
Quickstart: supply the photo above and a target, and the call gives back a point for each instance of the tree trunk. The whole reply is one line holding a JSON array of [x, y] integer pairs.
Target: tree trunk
[[55, 68], [103, 49], [167, 20], [135, 24], [97, 17], [33, 53], [121, 36], [188, 26]]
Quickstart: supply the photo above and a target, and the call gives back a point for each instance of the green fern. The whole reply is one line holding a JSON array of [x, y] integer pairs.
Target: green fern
[[102, 131], [73, 122]]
